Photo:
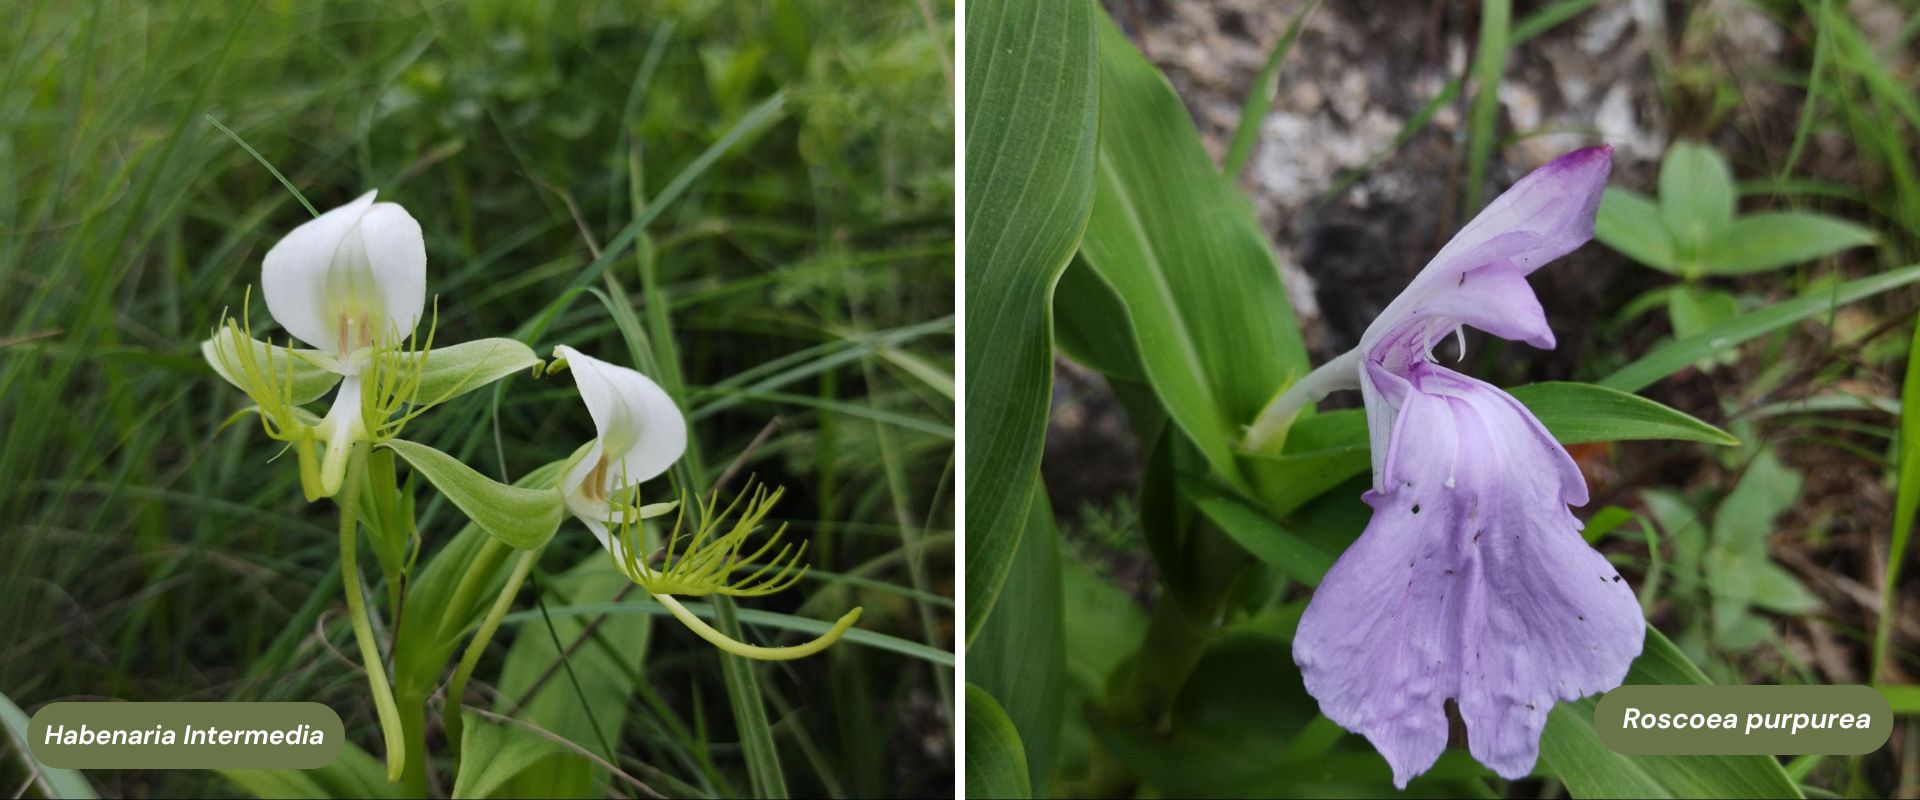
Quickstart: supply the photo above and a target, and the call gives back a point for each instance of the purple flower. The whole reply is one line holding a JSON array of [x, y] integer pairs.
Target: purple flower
[[1471, 583]]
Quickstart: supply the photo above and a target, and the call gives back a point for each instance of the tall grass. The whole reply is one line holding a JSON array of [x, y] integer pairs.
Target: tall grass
[[790, 163]]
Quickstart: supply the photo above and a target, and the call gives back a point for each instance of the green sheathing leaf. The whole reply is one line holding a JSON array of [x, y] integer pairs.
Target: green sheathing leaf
[[1018, 656], [1031, 101], [996, 764], [1181, 250]]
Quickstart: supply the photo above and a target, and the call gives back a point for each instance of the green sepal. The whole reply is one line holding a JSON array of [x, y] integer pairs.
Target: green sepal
[[520, 518], [311, 376], [454, 370]]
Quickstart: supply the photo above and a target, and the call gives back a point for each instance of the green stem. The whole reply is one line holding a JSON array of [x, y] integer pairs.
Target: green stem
[[383, 704], [478, 574], [457, 688]]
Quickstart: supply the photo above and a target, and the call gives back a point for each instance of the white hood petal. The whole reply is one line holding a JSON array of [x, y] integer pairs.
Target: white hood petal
[[641, 431], [352, 273]]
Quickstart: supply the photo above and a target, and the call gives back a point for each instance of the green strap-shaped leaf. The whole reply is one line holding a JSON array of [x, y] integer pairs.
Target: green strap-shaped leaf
[[51, 781], [1582, 412], [1676, 355], [1031, 99], [1181, 250], [454, 370], [1906, 501], [1019, 656], [996, 763], [520, 518]]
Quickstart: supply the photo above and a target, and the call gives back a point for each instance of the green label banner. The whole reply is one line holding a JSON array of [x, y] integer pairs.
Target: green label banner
[[109, 735], [1743, 720]]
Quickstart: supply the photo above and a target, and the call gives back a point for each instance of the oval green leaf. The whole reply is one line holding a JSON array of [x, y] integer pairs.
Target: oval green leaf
[[520, 518]]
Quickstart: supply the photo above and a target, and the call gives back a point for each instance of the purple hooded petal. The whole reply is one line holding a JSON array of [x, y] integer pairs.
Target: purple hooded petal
[[1470, 583], [1544, 216]]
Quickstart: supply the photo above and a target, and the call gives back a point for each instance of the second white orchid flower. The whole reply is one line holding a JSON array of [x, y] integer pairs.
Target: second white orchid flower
[[641, 433]]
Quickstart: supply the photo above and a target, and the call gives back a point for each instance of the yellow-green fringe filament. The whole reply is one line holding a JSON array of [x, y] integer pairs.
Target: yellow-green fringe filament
[[392, 380], [754, 651], [267, 384], [703, 562]]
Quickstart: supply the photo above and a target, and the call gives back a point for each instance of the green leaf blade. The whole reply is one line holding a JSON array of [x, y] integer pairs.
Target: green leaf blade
[[1674, 356], [1630, 222], [454, 370], [520, 518], [1032, 90], [996, 763], [1181, 250], [1758, 242], [1696, 196]]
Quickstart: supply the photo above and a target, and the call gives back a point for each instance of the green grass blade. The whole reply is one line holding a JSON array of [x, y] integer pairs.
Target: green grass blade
[[51, 781], [1483, 117], [1260, 98], [1675, 356], [1906, 503]]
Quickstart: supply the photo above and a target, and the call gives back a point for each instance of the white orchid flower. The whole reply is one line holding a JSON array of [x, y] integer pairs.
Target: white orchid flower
[[641, 433], [351, 284]]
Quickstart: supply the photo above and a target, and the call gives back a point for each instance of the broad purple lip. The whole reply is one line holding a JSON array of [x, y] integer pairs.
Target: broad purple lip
[[1471, 582]]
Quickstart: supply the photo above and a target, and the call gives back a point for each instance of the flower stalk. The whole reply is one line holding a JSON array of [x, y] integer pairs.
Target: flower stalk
[[383, 702]]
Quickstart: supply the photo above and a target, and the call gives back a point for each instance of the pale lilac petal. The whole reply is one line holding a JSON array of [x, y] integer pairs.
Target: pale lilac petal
[[1471, 582], [1544, 216], [1496, 299]]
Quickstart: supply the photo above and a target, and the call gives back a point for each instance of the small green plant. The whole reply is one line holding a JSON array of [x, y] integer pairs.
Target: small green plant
[[1693, 232], [1721, 572]]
